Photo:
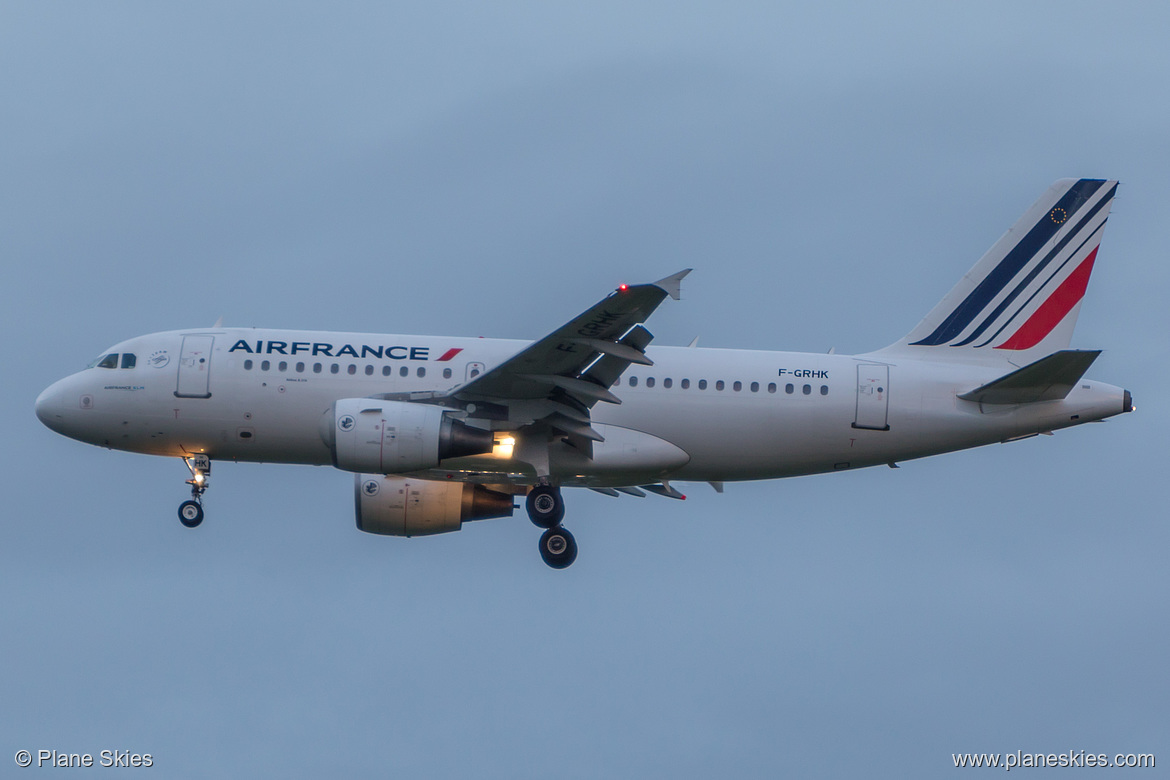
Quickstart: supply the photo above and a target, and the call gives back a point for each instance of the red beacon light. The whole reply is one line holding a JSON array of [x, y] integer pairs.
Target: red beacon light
[[623, 287]]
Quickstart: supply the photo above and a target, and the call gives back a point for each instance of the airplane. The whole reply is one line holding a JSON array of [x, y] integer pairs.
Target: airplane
[[440, 431]]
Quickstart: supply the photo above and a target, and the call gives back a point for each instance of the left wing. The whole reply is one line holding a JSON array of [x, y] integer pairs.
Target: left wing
[[559, 378]]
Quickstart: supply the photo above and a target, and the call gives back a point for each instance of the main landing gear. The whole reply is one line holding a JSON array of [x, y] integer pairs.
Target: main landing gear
[[191, 512], [546, 509]]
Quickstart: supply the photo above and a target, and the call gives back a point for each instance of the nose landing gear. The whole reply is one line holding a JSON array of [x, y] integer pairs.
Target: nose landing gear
[[546, 509], [191, 512]]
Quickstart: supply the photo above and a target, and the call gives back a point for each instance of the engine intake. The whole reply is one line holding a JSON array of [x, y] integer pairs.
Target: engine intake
[[400, 506], [393, 437]]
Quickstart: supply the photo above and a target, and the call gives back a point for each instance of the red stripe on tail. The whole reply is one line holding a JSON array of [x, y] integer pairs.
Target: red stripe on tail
[[1053, 310]]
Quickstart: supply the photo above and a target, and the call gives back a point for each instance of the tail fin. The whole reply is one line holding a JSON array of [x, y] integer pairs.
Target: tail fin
[[1021, 300]]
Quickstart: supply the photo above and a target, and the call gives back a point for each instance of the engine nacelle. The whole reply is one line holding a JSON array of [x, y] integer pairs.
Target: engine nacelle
[[393, 437], [401, 506]]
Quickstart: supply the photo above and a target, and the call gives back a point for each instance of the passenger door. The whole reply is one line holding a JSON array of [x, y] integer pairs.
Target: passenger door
[[873, 397], [195, 367]]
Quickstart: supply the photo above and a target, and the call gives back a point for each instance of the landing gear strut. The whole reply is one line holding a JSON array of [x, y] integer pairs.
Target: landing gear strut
[[546, 509], [191, 512]]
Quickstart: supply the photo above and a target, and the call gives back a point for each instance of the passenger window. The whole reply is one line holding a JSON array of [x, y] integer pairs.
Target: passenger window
[[755, 387], [702, 384], [404, 371], [264, 364], [719, 384], [128, 360], [633, 381], [649, 381], [352, 369], [284, 365], [685, 384], [300, 368], [789, 389], [667, 383], [806, 389], [109, 361], [247, 365], [446, 373], [385, 370], [316, 368], [333, 369], [737, 386], [474, 373], [369, 370], [824, 389], [422, 372], [771, 387]]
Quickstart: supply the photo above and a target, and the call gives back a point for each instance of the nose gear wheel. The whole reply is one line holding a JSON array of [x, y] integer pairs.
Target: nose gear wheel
[[191, 512]]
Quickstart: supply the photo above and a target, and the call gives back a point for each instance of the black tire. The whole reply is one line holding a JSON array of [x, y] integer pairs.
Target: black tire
[[190, 513], [545, 506], [558, 548]]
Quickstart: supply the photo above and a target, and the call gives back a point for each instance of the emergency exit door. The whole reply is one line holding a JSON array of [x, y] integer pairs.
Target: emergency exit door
[[195, 367], [873, 397]]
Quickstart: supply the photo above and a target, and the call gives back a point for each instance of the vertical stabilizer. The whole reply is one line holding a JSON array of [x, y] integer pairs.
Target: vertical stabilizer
[[1021, 300]]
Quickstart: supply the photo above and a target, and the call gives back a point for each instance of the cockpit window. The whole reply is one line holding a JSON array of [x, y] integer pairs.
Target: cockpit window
[[107, 361], [129, 359]]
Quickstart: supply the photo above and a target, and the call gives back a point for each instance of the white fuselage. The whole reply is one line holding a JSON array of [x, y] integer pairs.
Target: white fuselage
[[736, 414]]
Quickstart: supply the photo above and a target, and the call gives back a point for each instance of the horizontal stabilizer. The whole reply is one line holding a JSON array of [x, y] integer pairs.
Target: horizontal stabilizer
[[1048, 379]]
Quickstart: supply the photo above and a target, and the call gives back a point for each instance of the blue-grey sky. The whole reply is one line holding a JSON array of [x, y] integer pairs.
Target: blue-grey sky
[[829, 170]]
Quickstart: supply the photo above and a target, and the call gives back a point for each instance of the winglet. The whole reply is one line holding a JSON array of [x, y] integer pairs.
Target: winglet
[[672, 284]]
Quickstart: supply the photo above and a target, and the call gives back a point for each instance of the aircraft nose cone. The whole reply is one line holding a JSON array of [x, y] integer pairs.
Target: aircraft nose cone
[[48, 407], [43, 404]]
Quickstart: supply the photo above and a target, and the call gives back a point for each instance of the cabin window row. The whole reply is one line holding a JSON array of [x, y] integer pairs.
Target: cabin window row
[[720, 385], [335, 368]]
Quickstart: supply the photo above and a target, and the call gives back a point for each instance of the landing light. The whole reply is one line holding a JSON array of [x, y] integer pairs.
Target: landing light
[[504, 446]]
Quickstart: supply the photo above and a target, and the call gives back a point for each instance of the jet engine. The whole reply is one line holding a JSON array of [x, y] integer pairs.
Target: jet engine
[[393, 437], [401, 506]]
